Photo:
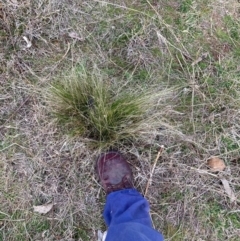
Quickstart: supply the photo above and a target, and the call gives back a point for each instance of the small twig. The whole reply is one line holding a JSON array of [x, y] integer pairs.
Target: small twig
[[15, 220], [153, 169], [59, 61], [15, 111]]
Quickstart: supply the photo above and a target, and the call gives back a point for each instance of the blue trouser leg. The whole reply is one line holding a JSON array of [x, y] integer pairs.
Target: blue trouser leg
[[127, 216]]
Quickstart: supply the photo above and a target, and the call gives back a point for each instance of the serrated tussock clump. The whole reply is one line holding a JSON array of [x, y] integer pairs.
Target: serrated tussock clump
[[90, 106]]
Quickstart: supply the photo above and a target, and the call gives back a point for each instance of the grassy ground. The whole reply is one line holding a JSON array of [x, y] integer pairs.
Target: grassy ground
[[191, 47]]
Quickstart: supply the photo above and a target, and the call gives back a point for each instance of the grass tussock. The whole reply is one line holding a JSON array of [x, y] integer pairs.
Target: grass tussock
[[96, 109]]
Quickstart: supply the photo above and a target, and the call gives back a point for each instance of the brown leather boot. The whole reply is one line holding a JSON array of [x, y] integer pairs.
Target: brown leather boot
[[114, 172]]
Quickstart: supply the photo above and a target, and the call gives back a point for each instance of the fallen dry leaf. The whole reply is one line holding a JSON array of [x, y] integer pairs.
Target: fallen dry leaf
[[75, 36], [29, 43], [43, 209], [216, 164], [228, 190], [102, 235]]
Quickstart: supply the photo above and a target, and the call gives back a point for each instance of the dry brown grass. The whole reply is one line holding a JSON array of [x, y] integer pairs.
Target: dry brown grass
[[139, 45]]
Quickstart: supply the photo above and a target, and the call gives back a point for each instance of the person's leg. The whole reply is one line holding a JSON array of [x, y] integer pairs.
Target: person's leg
[[126, 205], [126, 211]]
